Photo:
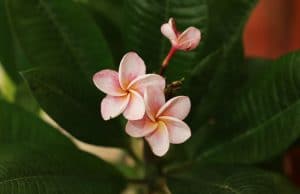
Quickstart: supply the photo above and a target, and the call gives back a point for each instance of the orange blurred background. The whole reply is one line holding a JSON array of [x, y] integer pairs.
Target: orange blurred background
[[273, 29]]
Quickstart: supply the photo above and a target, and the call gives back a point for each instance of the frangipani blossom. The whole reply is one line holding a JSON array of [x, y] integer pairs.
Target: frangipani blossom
[[162, 123], [187, 40], [125, 89]]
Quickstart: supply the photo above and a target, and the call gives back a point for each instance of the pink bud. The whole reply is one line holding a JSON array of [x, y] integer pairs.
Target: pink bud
[[187, 40]]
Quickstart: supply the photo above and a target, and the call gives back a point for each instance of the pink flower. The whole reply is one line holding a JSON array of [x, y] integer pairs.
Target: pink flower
[[163, 123], [125, 89], [187, 40]]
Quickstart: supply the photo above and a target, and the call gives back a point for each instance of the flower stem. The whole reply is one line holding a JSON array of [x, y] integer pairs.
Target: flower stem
[[166, 60], [152, 170], [134, 156]]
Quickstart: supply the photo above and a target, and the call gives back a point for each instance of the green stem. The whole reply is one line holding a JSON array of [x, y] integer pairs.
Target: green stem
[[152, 171]]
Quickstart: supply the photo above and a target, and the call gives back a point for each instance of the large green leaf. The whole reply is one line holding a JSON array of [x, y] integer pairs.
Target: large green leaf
[[261, 121], [65, 48], [36, 158], [75, 108], [216, 179], [18, 126]]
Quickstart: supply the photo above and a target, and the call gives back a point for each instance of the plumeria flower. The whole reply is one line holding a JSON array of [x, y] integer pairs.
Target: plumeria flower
[[162, 123], [125, 89], [187, 40]]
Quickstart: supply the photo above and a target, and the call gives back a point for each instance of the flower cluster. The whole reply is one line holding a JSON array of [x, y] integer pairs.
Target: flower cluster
[[141, 99]]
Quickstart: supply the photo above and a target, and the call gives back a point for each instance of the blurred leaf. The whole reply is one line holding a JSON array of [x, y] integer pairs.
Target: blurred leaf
[[25, 99], [6, 44], [112, 10], [64, 56], [35, 158], [105, 16], [262, 119], [220, 179], [19, 126], [73, 105], [7, 87]]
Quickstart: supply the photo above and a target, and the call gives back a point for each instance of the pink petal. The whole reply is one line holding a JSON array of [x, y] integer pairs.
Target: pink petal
[[169, 31], [144, 81], [154, 99], [140, 128], [131, 66], [135, 109], [189, 39], [178, 130], [108, 82], [113, 106], [159, 140], [178, 107]]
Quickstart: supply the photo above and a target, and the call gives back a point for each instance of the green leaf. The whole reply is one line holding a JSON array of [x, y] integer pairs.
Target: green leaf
[[227, 77], [261, 121], [36, 158], [71, 103], [50, 35], [108, 16], [220, 179], [25, 99], [226, 24], [111, 10], [64, 56], [19, 126], [220, 23]]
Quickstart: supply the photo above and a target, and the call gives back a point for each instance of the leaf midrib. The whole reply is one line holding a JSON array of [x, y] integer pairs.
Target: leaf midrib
[[248, 132], [18, 179], [64, 35], [61, 93], [219, 186]]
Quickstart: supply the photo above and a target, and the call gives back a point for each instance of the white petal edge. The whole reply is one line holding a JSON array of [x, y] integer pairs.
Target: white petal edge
[[189, 39], [178, 107]]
